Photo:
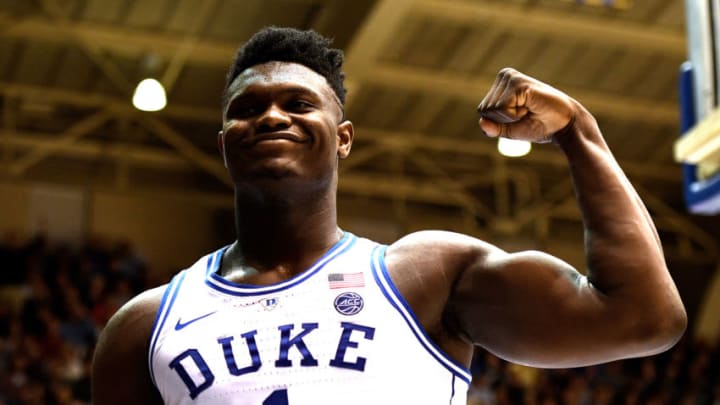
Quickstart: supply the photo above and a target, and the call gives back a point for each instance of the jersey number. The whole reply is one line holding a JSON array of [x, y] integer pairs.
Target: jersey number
[[278, 397]]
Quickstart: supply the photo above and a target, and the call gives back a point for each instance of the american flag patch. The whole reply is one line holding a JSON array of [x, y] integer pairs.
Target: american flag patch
[[346, 280]]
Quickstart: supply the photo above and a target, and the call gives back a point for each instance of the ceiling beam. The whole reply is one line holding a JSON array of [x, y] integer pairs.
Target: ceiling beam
[[536, 20], [177, 63], [91, 49], [485, 147], [582, 27], [444, 180], [115, 39], [141, 156], [403, 188], [185, 148], [69, 136], [120, 108], [362, 53], [91, 100], [363, 66], [377, 29], [473, 89], [678, 222]]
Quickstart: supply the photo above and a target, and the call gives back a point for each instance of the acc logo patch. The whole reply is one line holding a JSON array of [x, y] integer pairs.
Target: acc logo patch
[[349, 303]]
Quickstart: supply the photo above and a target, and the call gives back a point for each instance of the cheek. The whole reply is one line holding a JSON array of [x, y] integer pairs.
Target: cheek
[[232, 132], [325, 134]]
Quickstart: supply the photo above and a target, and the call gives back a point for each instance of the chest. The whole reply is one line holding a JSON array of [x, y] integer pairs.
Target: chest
[[301, 334]]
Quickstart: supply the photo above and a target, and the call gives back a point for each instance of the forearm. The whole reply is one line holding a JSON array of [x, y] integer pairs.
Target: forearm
[[623, 252]]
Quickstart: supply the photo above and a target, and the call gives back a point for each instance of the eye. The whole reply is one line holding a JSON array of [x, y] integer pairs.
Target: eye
[[300, 105], [242, 110]]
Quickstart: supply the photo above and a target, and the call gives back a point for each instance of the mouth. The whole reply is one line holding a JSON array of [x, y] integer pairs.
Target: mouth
[[274, 137]]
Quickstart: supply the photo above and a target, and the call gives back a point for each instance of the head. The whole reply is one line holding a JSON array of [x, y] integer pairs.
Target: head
[[283, 113], [307, 48]]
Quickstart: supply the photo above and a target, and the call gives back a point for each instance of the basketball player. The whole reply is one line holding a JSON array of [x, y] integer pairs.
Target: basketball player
[[298, 311]]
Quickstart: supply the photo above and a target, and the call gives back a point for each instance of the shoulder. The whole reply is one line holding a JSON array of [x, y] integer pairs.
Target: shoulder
[[122, 350], [440, 250], [138, 313], [138, 316], [426, 266]]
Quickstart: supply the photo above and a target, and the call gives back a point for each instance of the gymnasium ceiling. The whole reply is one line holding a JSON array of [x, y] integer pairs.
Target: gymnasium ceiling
[[416, 70]]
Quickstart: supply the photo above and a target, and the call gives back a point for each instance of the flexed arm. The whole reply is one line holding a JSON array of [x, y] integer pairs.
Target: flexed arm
[[535, 309]]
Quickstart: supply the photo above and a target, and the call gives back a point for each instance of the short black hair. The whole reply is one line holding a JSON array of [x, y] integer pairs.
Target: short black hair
[[280, 44]]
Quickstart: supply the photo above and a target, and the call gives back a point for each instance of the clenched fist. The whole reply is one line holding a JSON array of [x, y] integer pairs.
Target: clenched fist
[[520, 107]]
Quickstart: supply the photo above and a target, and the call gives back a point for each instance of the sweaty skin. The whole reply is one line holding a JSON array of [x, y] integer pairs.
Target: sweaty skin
[[283, 134]]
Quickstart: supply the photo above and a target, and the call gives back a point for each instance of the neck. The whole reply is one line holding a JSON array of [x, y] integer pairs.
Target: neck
[[281, 233]]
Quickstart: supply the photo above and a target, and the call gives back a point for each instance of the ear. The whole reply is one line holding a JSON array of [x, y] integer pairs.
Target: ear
[[221, 147], [345, 134]]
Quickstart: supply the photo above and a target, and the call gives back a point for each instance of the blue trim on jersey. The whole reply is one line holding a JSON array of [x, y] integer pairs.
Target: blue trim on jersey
[[161, 316], [215, 259], [388, 288], [452, 391], [218, 283]]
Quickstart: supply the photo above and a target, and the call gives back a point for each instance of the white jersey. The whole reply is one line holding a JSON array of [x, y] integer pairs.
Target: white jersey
[[338, 333]]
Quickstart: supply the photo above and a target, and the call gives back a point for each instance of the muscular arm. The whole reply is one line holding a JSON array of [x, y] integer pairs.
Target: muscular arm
[[120, 373], [535, 309]]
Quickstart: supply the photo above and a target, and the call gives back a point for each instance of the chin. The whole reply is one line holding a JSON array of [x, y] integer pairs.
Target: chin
[[274, 169], [281, 186]]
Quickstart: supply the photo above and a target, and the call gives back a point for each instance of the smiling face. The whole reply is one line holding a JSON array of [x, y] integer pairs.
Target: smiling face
[[283, 121]]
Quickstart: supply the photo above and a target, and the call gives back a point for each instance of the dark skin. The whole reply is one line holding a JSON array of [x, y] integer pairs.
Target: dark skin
[[282, 137]]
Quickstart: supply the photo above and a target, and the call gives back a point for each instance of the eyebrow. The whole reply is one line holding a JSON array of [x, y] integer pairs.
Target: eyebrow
[[302, 91], [294, 90], [299, 90]]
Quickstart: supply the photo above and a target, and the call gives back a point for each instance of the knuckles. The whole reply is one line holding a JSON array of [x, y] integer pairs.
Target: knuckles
[[511, 77], [507, 71]]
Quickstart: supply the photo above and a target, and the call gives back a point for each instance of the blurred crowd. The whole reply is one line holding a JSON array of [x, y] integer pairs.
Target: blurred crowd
[[55, 298], [687, 374]]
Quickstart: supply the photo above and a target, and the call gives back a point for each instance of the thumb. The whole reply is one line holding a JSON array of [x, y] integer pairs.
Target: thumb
[[490, 128]]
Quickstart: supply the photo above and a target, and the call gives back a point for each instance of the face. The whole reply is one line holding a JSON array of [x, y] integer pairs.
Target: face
[[283, 121]]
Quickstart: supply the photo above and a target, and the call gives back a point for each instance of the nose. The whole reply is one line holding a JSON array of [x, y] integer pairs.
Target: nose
[[272, 119]]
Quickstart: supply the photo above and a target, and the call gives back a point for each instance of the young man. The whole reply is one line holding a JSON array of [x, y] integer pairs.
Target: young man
[[297, 311]]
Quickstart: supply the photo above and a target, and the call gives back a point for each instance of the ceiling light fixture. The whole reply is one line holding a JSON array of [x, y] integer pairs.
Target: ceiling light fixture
[[149, 95], [513, 147]]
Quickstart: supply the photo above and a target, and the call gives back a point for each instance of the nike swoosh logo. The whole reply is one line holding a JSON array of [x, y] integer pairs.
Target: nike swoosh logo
[[181, 325]]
